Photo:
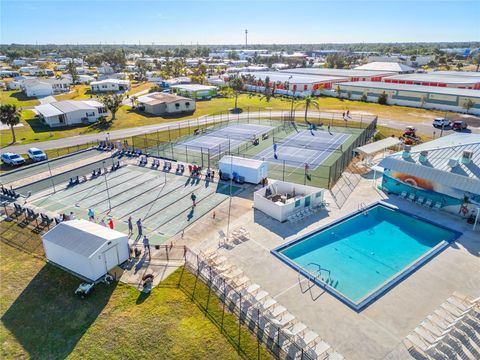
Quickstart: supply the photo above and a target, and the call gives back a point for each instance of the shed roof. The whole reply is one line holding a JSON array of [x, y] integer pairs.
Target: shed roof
[[377, 146], [245, 162], [81, 236]]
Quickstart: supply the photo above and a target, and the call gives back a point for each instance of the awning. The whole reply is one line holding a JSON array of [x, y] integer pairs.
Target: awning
[[378, 146]]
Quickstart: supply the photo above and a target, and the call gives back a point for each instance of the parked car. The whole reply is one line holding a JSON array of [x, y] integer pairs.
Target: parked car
[[441, 122], [36, 154], [12, 159], [459, 125]]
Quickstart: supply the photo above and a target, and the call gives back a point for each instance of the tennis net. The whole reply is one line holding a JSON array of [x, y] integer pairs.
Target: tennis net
[[313, 143]]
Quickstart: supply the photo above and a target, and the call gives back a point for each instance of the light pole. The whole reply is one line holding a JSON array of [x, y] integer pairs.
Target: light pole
[[106, 185], [230, 199], [51, 176]]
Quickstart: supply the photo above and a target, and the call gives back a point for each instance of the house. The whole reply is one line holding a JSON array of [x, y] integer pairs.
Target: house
[[105, 69], [82, 79], [443, 171], [19, 62], [387, 66], [280, 199], [70, 112], [8, 73], [109, 85], [45, 87], [85, 248], [195, 91], [165, 104]]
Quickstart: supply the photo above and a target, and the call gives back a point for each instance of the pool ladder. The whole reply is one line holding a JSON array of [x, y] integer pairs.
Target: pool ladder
[[363, 208]]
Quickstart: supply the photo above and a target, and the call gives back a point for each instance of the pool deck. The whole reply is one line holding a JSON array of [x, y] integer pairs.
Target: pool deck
[[377, 331]]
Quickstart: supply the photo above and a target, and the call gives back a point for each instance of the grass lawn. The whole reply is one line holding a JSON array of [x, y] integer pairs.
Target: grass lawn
[[34, 131], [18, 98], [41, 318]]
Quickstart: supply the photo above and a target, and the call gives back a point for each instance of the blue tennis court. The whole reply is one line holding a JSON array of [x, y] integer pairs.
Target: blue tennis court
[[304, 148], [228, 138]]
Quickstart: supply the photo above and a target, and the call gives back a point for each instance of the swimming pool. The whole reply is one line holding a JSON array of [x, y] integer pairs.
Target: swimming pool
[[359, 257]]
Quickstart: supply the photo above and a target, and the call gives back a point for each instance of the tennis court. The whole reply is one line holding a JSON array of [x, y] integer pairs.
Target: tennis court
[[225, 139], [161, 200], [304, 147]]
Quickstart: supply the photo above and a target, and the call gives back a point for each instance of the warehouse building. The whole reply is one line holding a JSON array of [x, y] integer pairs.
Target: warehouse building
[[290, 84], [195, 91], [349, 74], [463, 81], [428, 97], [387, 66]]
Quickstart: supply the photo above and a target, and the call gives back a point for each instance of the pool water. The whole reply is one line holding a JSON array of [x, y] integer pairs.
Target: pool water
[[360, 254]]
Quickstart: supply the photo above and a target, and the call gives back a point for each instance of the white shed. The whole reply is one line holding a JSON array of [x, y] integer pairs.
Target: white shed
[[85, 248], [252, 170]]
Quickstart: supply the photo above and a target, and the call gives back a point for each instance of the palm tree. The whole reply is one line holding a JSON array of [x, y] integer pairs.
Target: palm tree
[[10, 115], [309, 101]]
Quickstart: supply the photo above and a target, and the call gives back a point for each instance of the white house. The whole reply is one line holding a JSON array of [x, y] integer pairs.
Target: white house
[[70, 112], [253, 171], [19, 62], [45, 87], [109, 85], [281, 199], [105, 69], [85, 248], [82, 79]]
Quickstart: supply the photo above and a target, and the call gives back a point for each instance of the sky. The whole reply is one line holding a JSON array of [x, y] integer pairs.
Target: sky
[[176, 22]]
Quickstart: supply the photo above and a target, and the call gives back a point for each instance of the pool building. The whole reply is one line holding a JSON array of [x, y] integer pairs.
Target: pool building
[[441, 174]]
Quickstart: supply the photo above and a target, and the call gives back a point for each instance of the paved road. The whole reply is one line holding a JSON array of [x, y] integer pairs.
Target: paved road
[[425, 127]]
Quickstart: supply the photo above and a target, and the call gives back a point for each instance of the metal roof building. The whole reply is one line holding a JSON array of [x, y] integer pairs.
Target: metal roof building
[[350, 74], [295, 82], [430, 97], [85, 248], [451, 163], [435, 79], [386, 66]]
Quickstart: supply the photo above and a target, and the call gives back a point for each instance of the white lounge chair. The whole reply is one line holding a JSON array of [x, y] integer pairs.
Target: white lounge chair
[[420, 200], [284, 320], [222, 238], [437, 206], [411, 197], [428, 203], [403, 194], [308, 340]]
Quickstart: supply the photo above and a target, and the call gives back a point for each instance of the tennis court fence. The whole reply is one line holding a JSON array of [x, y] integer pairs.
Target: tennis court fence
[[169, 143]]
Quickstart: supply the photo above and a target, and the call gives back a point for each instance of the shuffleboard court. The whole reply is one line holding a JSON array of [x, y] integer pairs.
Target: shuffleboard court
[[304, 147], [161, 200]]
